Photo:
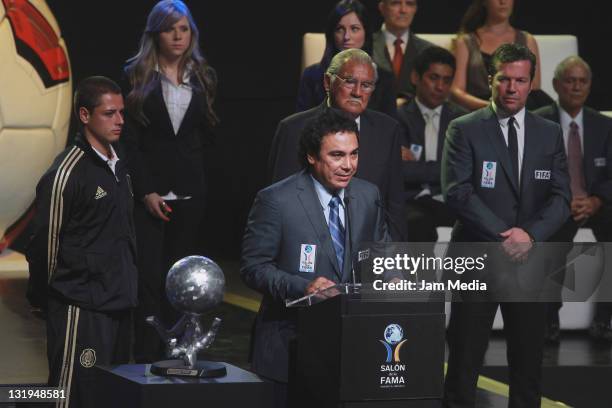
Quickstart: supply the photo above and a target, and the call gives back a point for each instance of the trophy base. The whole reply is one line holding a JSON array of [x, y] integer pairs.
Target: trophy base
[[177, 368]]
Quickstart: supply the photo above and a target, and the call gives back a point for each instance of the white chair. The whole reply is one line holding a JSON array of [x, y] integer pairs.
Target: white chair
[[553, 49]]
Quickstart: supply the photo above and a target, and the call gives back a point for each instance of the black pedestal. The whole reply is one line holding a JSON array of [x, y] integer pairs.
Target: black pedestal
[[178, 368], [345, 359], [132, 386]]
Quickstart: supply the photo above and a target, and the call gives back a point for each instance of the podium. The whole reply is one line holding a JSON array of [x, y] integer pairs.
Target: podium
[[132, 386], [366, 349]]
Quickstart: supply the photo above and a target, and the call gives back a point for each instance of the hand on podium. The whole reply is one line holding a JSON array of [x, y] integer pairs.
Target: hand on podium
[[319, 285]]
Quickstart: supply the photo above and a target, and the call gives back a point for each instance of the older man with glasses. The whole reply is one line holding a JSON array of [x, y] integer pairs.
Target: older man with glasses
[[349, 82]]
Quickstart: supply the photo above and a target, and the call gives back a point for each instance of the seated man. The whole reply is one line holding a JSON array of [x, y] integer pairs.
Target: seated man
[[395, 47], [349, 82], [297, 236], [424, 120], [588, 144]]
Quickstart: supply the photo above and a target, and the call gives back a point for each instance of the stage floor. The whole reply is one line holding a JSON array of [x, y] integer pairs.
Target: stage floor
[[578, 372]]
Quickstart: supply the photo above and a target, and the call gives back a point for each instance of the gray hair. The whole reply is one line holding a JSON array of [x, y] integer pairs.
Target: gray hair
[[571, 61], [352, 54]]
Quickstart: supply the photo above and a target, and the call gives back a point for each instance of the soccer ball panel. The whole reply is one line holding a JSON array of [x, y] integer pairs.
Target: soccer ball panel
[[42, 6], [25, 155], [24, 100], [35, 102], [59, 137], [64, 104]]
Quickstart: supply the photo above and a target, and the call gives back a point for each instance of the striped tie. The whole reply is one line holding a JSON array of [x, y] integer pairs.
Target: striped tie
[[336, 230]]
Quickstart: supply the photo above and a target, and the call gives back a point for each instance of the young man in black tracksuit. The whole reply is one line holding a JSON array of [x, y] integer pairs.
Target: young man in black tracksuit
[[81, 257]]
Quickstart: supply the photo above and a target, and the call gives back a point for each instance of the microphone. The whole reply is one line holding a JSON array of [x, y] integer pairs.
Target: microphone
[[350, 234]]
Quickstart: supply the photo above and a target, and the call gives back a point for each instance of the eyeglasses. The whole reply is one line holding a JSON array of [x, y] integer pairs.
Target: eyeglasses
[[350, 83]]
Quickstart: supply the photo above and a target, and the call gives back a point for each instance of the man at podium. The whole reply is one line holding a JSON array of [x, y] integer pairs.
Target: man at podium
[[300, 235]]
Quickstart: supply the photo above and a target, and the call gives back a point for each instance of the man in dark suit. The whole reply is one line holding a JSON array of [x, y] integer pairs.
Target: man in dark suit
[[395, 47], [349, 82], [424, 120], [589, 134], [504, 174], [301, 235]]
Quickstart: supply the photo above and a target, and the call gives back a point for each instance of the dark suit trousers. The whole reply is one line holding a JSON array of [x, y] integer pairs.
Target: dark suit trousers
[[424, 215], [160, 245], [468, 338]]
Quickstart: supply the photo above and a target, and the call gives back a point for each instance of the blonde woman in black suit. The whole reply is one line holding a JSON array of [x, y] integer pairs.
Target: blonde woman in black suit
[[169, 121]]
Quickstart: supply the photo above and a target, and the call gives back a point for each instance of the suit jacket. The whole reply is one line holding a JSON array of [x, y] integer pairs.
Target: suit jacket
[[417, 173], [160, 160], [379, 157], [597, 149], [311, 92], [540, 205], [380, 54], [284, 217]]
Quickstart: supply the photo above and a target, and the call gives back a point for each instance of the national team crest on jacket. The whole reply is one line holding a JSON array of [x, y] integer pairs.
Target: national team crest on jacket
[[88, 358]]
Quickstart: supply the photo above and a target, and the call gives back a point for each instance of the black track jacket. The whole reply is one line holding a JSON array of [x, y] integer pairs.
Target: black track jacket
[[83, 246]]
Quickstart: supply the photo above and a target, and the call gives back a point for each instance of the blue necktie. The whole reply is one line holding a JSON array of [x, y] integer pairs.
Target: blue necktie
[[336, 230]]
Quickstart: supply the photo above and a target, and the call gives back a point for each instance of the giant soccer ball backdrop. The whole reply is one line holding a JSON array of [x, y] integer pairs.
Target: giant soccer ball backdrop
[[35, 103]]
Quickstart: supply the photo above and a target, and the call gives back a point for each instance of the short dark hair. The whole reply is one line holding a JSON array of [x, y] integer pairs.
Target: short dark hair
[[512, 52], [433, 55], [89, 91], [330, 121]]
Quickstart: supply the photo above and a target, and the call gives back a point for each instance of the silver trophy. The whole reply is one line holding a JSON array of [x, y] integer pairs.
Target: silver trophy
[[195, 284]]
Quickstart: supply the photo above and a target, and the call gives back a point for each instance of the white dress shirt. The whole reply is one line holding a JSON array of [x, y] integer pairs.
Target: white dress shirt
[[566, 119], [432, 125], [112, 162], [177, 99], [390, 41], [519, 125], [325, 197]]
